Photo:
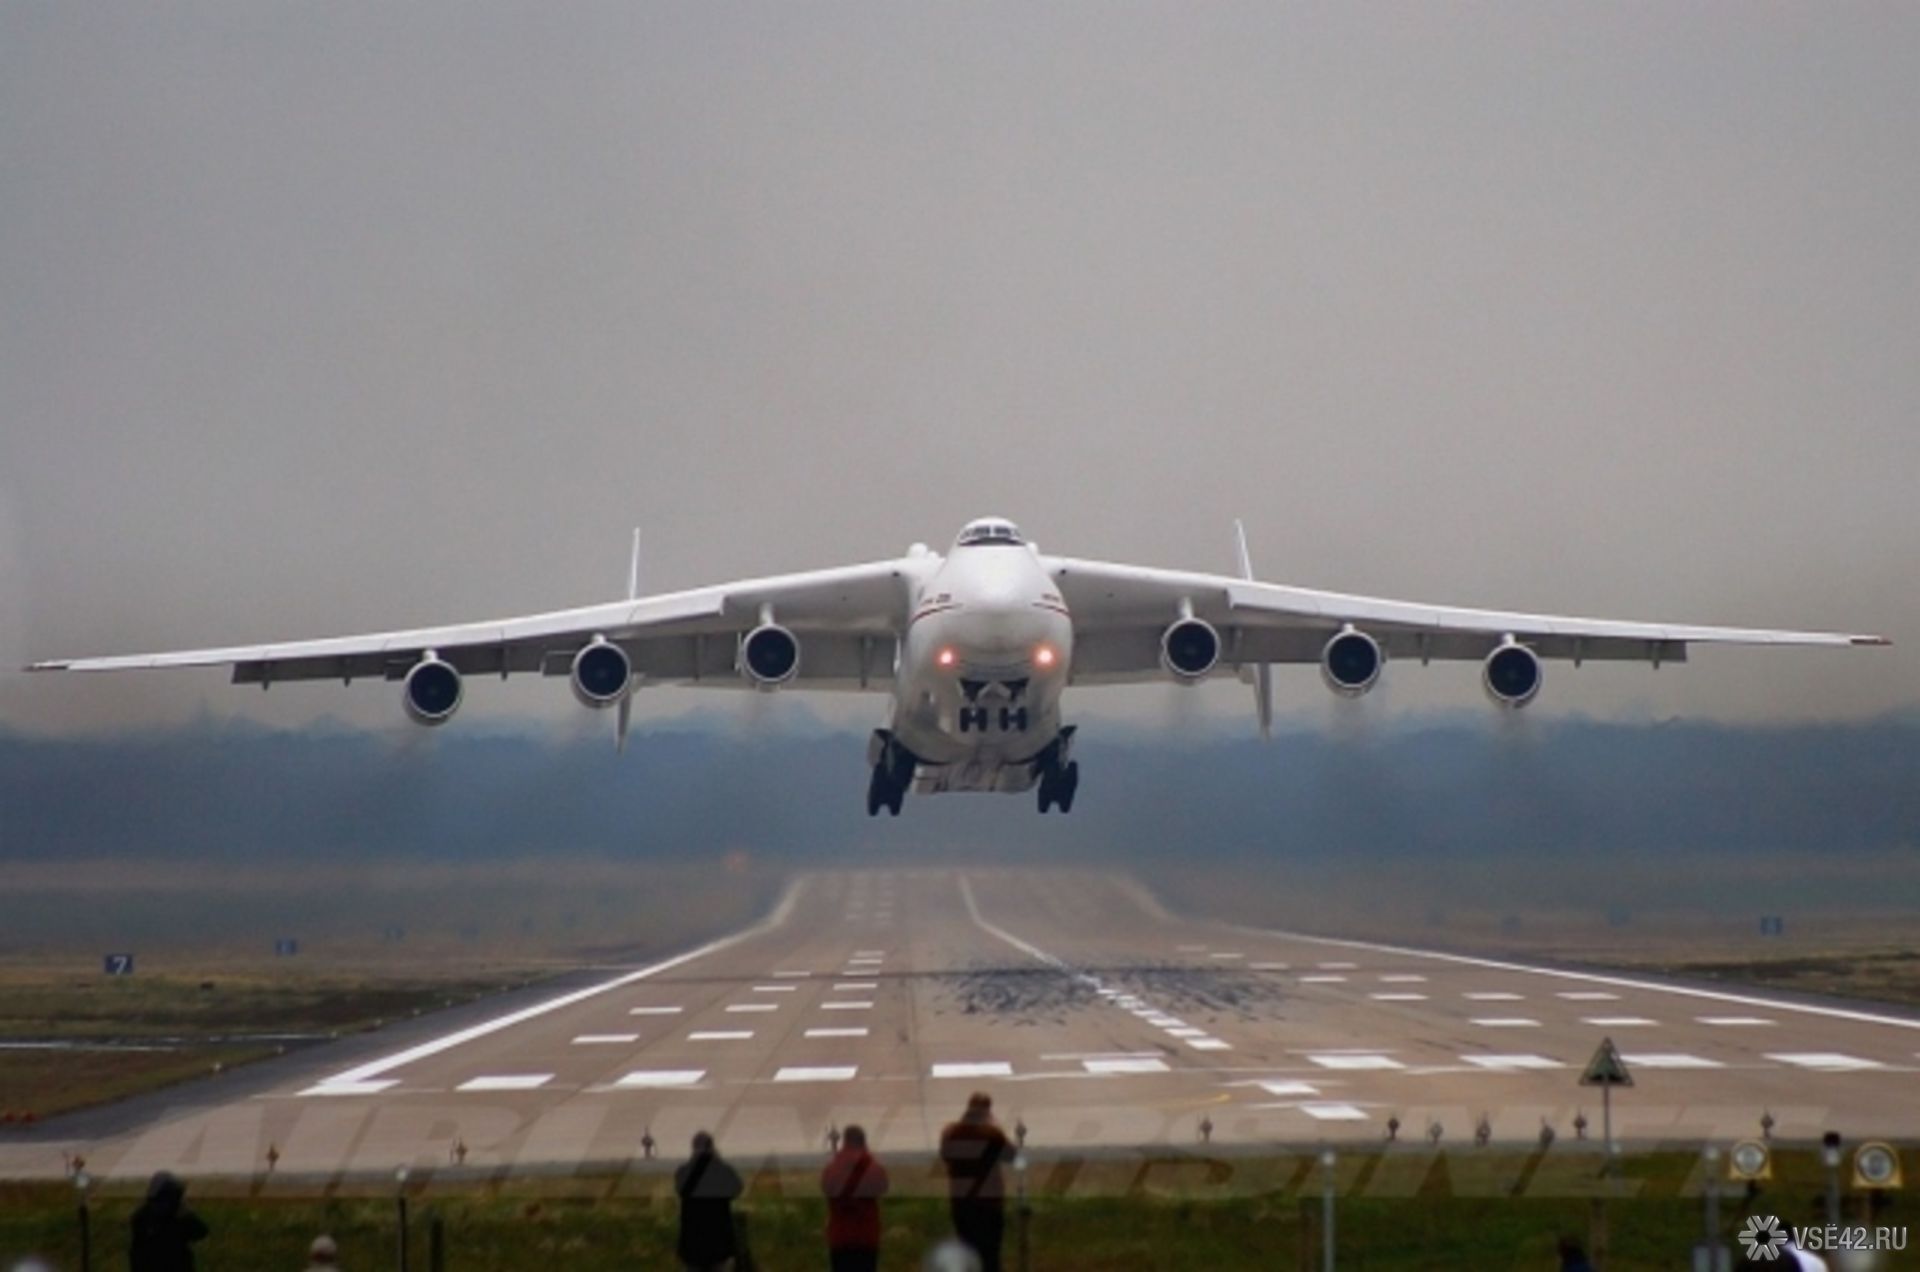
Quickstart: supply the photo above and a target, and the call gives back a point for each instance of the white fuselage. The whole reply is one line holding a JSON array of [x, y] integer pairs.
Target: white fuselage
[[985, 657]]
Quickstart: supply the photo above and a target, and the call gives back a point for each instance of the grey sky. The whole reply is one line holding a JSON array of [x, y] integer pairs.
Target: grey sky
[[326, 317]]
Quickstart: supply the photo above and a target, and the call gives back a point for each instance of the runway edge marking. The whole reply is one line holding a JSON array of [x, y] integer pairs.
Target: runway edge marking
[[1591, 978], [779, 915]]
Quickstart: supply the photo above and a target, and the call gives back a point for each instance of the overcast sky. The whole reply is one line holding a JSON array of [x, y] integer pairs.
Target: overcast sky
[[316, 318]]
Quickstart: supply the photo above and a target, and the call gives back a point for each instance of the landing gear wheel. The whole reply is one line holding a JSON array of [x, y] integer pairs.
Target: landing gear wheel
[[1046, 793], [1069, 783], [881, 794]]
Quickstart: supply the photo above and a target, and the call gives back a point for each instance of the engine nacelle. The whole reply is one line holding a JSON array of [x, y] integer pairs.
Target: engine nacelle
[[432, 691], [1189, 648], [602, 675], [769, 656], [1512, 675], [1351, 663]]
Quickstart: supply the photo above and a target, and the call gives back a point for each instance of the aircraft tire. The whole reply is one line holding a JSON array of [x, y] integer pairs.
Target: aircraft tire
[[1070, 783]]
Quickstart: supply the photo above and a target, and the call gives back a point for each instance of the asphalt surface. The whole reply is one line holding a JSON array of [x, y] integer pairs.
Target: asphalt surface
[[1089, 1015]]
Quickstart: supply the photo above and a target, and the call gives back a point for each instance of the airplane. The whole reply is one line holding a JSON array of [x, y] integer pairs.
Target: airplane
[[976, 647]]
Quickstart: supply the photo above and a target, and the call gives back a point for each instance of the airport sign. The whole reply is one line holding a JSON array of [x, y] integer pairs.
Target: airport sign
[[1606, 1069]]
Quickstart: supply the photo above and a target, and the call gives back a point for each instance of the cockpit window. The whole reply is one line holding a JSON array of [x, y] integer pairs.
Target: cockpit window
[[989, 534]]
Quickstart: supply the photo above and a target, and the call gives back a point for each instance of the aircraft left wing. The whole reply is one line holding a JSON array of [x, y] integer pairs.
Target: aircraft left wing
[[1120, 612], [844, 620]]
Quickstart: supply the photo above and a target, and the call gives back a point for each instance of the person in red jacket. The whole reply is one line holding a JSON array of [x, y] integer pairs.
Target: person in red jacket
[[853, 1183]]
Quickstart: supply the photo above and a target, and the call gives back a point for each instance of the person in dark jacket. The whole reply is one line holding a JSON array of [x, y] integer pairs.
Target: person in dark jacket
[[853, 1183], [972, 1150], [164, 1230], [707, 1187]]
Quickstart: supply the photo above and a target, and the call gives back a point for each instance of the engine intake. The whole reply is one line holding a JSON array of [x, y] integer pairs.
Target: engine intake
[[1351, 663], [1512, 675], [431, 691], [769, 655], [1189, 648], [602, 675]]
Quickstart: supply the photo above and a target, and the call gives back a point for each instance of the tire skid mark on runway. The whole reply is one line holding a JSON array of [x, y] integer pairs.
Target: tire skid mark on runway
[[358, 1079], [1131, 1003]]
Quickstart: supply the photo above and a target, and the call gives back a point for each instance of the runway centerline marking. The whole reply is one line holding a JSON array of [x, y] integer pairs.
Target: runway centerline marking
[[774, 989], [1493, 996], [655, 1011], [719, 1035], [1735, 1021], [604, 1040], [1619, 1022], [847, 1006], [1504, 1022], [753, 1007], [859, 1031], [360, 1074], [1398, 998]]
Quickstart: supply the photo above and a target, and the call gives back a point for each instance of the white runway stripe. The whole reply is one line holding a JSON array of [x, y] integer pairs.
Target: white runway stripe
[[1333, 1112], [1398, 998], [1124, 1064], [1492, 996], [1403, 978], [791, 975], [817, 1073], [1828, 1061], [661, 1078], [362, 1086], [1353, 1060], [854, 987], [774, 989], [1208, 1044], [857, 1032], [846, 1006], [1587, 996], [736, 1007], [507, 1082], [655, 1011], [719, 1035], [604, 1040], [1514, 1062], [1735, 1021], [1505, 1022], [1267, 967], [1282, 1087], [1669, 1060], [1323, 980], [973, 1069], [1619, 1022], [1339, 967]]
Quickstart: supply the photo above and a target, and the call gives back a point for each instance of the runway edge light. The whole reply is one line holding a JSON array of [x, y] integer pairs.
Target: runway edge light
[[1876, 1165], [1750, 1161]]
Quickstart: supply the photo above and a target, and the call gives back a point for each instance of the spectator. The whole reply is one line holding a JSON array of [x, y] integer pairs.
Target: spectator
[[323, 1255], [707, 1187], [972, 1150], [853, 1182], [164, 1230]]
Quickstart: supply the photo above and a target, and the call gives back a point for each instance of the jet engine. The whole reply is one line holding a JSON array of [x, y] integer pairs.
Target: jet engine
[[1512, 674], [602, 674], [769, 655], [1189, 648], [431, 691], [1351, 662]]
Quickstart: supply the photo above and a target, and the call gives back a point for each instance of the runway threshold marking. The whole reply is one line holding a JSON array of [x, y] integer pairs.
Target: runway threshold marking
[[354, 1081], [605, 1040], [856, 1032], [1829, 1061], [973, 1069], [817, 1073], [1592, 978], [661, 1078]]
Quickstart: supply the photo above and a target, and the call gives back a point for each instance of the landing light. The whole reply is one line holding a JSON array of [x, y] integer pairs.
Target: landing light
[[1044, 656], [946, 657]]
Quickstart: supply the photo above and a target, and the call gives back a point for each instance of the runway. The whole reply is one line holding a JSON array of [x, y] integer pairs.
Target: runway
[[1093, 1018]]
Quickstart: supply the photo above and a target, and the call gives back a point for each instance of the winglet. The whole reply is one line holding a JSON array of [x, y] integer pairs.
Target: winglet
[[1871, 640], [1262, 672]]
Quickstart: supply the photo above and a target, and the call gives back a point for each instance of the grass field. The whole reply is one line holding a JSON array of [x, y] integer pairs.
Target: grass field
[[1464, 1210], [375, 944]]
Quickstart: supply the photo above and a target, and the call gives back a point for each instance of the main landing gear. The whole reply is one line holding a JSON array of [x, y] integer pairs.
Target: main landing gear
[[1057, 786], [892, 774], [1059, 776]]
